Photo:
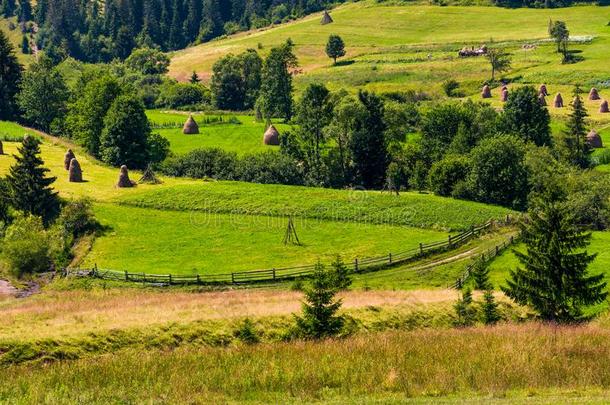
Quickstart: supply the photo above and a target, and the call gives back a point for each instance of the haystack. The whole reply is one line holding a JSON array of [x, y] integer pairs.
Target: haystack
[[190, 126], [603, 107], [326, 18], [542, 100], [504, 88], [486, 92], [68, 158], [542, 90], [594, 94], [272, 136], [594, 140], [504, 96], [558, 102], [149, 177], [75, 174], [124, 180]]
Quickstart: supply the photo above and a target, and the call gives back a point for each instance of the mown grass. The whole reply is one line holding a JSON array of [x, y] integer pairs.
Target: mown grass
[[411, 208], [15, 38], [506, 362], [163, 242], [243, 137]]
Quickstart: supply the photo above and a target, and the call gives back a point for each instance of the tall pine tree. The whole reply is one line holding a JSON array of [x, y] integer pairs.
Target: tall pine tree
[[28, 184], [10, 77], [554, 280], [576, 148]]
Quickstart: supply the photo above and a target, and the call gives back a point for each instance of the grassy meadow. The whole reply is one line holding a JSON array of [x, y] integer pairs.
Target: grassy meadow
[[505, 364]]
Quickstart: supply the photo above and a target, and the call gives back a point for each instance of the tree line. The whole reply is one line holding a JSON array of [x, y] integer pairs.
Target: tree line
[[102, 31]]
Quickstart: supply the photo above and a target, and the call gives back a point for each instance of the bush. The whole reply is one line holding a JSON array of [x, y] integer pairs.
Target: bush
[[176, 95], [76, 218], [269, 168], [450, 87], [200, 163], [27, 247], [446, 173], [158, 148], [247, 332]]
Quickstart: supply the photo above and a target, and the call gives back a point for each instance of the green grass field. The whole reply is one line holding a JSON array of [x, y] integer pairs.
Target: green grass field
[[243, 137], [393, 47]]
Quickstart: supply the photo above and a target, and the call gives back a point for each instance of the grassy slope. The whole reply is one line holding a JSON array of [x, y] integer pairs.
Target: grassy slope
[[244, 138], [15, 37], [389, 45], [506, 364]]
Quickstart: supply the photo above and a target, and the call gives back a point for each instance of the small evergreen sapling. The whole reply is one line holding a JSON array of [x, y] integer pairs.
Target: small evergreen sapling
[[489, 309], [465, 314]]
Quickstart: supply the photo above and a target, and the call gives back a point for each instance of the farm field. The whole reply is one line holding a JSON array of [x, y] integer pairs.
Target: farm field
[[237, 133], [392, 47]]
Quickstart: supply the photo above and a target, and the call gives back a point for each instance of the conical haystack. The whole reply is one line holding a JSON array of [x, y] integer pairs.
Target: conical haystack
[[594, 94], [149, 177], [68, 158], [75, 174], [594, 140], [326, 18], [124, 180], [504, 96], [272, 136], [558, 102], [603, 107], [486, 92], [542, 90], [504, 88], [542, 100], [190, 126]]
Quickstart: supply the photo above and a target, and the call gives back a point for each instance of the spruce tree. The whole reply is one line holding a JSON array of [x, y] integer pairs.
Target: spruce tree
[[10, 77], [554, 280], [28, 184], [341, 273], [319, 317], [489, 309], [576, 148], [464, 311], [480, 275], [194, 78]]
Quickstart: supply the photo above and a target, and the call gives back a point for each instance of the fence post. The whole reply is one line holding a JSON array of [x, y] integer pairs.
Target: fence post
[[170, 279], [511, 240], [472, 230], [421, 248], [198, 279], [232, 278], [390, 257], [273, 274], [497, 250], [449, 242], [126, 276], [356, 265]]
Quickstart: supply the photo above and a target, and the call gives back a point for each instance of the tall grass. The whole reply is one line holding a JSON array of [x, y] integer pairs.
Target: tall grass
[[485, 361]]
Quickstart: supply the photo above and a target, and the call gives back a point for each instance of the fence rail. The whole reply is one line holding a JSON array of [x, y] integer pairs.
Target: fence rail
[[287, 273]]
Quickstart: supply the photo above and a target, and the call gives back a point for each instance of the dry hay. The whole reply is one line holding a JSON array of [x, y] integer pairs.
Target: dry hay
[[326, 18], [558, 102], [594, 94], [190, 126], [124, 181], [603, 107], [68, 158], [272, 136], [75, 174], [542, 100], [542, 90], [594, 140], [486, 92], [504, 95]]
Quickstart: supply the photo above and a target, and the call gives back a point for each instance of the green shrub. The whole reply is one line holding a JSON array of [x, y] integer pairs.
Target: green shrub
[[176, 95], [446, 173]]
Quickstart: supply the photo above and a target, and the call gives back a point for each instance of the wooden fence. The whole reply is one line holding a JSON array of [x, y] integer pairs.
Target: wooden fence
[[485, 257], [285, 273]]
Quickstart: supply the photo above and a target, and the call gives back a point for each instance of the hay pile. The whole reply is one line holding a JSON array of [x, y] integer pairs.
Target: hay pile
[[75, 174], [504, 95], [149, 177], [326, 18], [124, 181], [542, 90], [603, 107], [68, 158], [486, 92], [594, 140], [558, 102], [190, 126], [594, 94], [542, 100], [272, 136]]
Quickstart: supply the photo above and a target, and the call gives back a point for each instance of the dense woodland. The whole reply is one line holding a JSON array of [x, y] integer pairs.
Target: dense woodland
[[102, 31]]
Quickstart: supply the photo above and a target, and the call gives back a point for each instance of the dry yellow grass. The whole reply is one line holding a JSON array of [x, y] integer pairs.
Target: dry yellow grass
[[56, 314]]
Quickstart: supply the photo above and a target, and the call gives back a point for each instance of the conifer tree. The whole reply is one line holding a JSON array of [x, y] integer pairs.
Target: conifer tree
[[341, 273], [554, 280], [28, 184], [319, 317], [489, 309], [463, 310], [576, 147], [195, 78], [480, 275], [10, 77]]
